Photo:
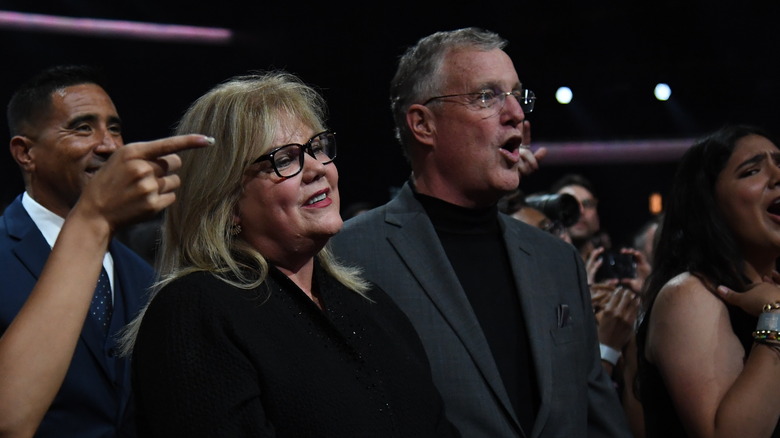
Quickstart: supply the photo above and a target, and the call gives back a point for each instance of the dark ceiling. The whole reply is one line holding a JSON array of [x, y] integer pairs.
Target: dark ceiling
[[720, 59]]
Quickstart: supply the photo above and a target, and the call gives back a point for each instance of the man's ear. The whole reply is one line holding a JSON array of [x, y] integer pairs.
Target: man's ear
[[20, 147], [421, 123]]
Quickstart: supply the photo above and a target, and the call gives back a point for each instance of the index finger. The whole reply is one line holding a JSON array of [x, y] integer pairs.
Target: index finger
[[540, 153], [596, 252], [526, 132], [156, 148]]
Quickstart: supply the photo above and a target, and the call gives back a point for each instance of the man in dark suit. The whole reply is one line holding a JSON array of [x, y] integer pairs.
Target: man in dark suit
[[60, 371], [502, 308]]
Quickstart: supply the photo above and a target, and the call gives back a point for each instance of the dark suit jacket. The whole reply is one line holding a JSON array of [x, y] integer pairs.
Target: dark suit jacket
[[94, 398], [398, 247]]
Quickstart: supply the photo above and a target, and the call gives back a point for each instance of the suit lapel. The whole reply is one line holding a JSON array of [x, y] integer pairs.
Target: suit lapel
[[33, 251], [537, 308], [126, 304], [92, 336], [416, 242]]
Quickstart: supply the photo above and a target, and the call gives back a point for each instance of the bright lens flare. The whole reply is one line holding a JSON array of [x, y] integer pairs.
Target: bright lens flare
[[662, 92], [564, 95]]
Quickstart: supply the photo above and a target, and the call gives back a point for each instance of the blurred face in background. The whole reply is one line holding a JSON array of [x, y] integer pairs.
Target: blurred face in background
[[536, 218], [588, 224]]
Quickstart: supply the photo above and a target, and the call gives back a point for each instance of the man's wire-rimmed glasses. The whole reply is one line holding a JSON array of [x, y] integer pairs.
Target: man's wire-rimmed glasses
[[486, 99], [287, 160]]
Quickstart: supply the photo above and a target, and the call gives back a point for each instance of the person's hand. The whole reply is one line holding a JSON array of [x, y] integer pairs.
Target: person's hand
[[617, 318], [600, 293], [643, 269], [137, 181], [593, 263], [755, 297], [529, 160]]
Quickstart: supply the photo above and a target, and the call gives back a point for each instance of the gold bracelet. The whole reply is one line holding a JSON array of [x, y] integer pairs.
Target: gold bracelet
[[771, 306], [770, 336]]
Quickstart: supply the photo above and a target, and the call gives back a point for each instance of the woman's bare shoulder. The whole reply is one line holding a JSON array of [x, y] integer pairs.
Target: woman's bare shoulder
[[685, 305], [687, 291]]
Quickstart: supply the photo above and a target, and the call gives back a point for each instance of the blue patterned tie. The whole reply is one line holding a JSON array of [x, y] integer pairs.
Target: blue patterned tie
[[102, 305]]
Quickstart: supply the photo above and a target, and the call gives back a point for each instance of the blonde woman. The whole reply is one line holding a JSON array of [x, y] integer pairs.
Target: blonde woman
[[255, 329]]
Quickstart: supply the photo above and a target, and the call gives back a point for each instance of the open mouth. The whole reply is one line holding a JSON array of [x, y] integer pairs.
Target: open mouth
[[511, 151], [774, 207], [512, 145], [316, 198]]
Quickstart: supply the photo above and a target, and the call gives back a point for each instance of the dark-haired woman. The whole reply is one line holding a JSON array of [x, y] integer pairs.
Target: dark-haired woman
[[709, 358]]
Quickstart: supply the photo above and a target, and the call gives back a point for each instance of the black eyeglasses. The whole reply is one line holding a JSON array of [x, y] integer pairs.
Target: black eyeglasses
[[486, 99], [287, 160]]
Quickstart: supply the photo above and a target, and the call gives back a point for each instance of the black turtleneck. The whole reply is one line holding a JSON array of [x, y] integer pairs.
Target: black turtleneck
[[474, 245]]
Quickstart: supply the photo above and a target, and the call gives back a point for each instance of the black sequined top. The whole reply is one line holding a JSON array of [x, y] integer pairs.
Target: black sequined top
[[212, 360]]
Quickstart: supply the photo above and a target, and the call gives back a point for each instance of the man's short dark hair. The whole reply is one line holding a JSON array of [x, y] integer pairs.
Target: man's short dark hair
[[31, 101], [572, 179]]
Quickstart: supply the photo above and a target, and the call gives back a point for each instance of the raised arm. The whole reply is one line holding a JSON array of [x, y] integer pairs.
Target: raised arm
[[716, 390], [137, 182]]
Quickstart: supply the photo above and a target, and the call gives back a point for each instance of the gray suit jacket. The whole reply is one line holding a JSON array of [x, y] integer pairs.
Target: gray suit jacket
[[399, 250]]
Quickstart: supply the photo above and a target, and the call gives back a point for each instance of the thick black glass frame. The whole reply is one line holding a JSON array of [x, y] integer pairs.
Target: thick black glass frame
[[305, 148], [525, 97]]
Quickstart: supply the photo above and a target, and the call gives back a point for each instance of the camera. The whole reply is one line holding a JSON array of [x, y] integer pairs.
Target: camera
[[560, 207], [615, 265]]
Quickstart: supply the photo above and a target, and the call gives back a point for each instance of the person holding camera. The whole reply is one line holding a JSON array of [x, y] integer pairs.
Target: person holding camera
[[553, 213], [615, 278], [585, 229], [616, 307], [612, 278]]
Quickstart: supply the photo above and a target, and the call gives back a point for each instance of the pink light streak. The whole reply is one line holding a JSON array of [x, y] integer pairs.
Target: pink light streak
[[114, 28], [614, 152]]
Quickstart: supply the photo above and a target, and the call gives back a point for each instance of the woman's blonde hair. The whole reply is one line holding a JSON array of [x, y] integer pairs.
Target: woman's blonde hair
[[242, 114]]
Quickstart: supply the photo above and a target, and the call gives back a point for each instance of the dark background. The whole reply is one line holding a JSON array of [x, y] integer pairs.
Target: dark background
[[720, 58]]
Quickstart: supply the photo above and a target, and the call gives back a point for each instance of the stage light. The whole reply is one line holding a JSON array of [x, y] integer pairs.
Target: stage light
[[656, 202], [563, 95], [662, 92]]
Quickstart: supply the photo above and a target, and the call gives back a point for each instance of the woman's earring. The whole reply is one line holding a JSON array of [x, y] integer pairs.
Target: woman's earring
[[235, 229]]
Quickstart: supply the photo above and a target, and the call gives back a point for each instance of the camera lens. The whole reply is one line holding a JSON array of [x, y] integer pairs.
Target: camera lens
[[560, 207]]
